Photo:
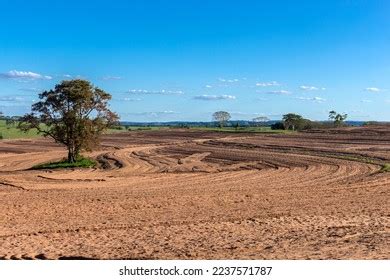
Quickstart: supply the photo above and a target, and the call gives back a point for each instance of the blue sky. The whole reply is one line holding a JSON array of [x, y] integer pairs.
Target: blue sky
[[183, 60]]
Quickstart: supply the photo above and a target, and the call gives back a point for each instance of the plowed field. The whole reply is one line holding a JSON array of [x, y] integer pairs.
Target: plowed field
[[184, 194]]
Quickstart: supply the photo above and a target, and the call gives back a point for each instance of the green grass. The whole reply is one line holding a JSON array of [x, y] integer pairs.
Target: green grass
[[137, 128], [134, 128], [264, 129], [13, 132], [385, 168], [82, 162]]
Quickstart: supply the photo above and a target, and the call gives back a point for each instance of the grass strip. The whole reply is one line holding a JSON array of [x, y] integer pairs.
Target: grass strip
[[81, 162]]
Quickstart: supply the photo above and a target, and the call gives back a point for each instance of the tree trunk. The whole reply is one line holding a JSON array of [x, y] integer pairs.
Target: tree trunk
[[72, 155]]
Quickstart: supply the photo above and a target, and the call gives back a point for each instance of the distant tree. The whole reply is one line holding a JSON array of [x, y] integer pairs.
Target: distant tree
[[222, 117], [10, 122], [338, 119], [237, 125], [277, 126], [332, 115], [292, 121], [261, 119], [306, 124], [74, 113]]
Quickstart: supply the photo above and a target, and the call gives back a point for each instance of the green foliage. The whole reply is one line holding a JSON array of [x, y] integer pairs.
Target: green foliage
[[319, 125], [74, 113], [292, 121], [81, 162], [261, 119], [10, 122], [278, 125], [385, 168], [118, 127], [338, 119], [305, 124], [374, 123], [222, 117]]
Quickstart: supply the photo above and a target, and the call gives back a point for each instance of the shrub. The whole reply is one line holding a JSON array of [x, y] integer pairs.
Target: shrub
[[277, 126], [385, 168]]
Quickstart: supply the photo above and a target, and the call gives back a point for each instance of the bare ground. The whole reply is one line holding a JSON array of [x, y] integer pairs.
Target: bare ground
[[183, 194]]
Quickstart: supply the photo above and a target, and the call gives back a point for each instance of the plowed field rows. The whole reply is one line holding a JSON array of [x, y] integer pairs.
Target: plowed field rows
[[183, 194]]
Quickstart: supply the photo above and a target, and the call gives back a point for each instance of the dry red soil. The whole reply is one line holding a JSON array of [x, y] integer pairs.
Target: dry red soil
[[183, 194]]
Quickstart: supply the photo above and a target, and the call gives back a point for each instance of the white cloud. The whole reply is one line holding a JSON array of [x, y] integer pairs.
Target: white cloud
[[68, 76], [27, 75], [131, 99], [366, 101], [111, 78], [215, 97], [228, 80], [311, 88], [314, 99], [277, 92], [268, 84], [374, 89], [152, 114], [31, 89], [11, 99], [244, 114], [149, 92], [208, 86]]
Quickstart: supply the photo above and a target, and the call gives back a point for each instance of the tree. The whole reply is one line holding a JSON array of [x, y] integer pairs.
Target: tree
[[261, 119], [338, 119], [222, 117], [74, 113], [332, 115], [277, 126], [292, 121], [10, 122]]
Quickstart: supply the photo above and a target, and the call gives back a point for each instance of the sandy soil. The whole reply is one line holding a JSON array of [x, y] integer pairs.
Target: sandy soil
[[182, 194]]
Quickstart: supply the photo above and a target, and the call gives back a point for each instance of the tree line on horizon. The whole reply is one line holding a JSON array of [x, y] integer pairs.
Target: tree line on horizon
[[290, 121]]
